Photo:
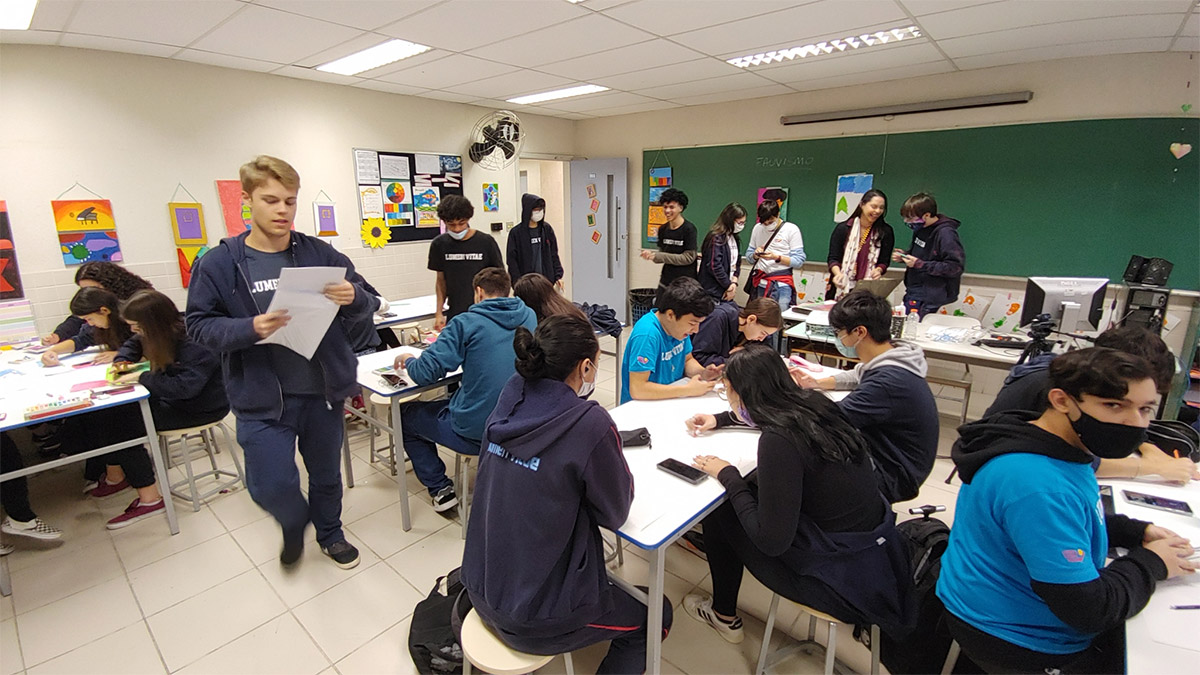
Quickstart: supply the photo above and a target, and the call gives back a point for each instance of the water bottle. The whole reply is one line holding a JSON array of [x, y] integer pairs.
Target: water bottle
[[911, 325]]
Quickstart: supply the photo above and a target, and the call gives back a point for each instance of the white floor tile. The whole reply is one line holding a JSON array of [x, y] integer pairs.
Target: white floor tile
[[637, 572], [74, 621], [386, 654], [371, 492], [129, 651], [279, 647], [64, 575], [187, 573], [6, 607], [78, 518], [206, 622], [10, 649], [261, 540], [314, 574], [139, 546], [352, 613], [381, 530], [422, 563], [236, 509]]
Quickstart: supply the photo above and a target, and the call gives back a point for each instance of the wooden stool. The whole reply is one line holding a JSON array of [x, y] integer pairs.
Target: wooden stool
[[207, 434], [830, 648], [482, 649]]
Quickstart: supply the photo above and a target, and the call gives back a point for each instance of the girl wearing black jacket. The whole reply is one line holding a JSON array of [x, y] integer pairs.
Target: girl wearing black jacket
[[810, 524], [861, 246], [720, 253]]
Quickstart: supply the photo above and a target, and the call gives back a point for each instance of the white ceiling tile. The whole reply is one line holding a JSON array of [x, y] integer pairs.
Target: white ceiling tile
[[1067, 32], [630, 109], [513, 84], [316, 75], [351, 46], [1018, 13], [1192, 27], [739, 95], [622, 60], [364, 14], [795, 26], [599, 5], [1065, 52], [665, 75], [815, 68], [448, 96], [226, 61], [388, 87], [29, 37], [404, 64], [587, 35], [733, 82], [53, 15], [592, 102], [268, 34], [460, 25], [453, 70], [921, 8], [116, 45], [670, 17], [172, 23], [1186, 44], [883, 75]]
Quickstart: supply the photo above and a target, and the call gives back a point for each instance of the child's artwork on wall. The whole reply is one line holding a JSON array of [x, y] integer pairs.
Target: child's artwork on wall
[[776, 194], [425, 201], [325, 220], [375, 233], [187, 223], [850, 191], [16, 321], [187, 257], [235, 214], [401, 190], [397, 204], [1004, 315], [491, 196], [10, 276], [81, 247], [86, 230]]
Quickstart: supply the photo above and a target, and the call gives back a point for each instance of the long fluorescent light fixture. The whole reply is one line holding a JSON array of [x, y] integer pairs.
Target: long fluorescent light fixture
[[17, 14], [379, 55], [840, 45], [1009, 98], [557, 94]]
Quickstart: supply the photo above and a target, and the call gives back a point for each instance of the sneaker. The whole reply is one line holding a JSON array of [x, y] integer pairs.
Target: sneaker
[[136, 511], [445, 499], [36, 528], [5, 549], [89, 485], [293, 548], [699, 607], [693, 542], [343, 553], [105, 489]]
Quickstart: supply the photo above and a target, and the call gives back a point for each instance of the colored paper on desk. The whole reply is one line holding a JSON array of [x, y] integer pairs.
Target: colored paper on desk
[[301, 292], [94, 384]]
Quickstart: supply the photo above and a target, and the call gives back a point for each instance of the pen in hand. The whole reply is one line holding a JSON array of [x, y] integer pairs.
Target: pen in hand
[[1185, 606]]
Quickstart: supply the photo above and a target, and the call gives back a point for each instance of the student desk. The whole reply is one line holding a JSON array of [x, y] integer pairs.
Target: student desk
[[664, 507], [972, 355], [407, 311], [370, 380], [1160, 639], [27, 383]]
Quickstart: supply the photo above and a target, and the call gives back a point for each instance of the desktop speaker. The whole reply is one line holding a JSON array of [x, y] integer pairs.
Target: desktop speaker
[[1156, 272], [1133, 271]]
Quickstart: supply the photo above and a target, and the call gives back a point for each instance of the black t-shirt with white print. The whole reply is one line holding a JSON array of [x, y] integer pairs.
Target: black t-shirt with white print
[[296, 374], [459, 261], [679, 240]]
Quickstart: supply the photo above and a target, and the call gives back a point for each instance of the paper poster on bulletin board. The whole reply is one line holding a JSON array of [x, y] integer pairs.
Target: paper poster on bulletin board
[[850, 191], [403, 189]]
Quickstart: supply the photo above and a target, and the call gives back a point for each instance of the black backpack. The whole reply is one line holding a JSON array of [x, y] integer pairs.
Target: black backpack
[[433, 635], [1175, 438], [923, 648]]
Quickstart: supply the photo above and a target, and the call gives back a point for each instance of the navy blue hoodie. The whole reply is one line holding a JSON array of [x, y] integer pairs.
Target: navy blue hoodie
[[192, 383], [940, 262], [520, 244], [551, 475], [719, 333], [220, 315]]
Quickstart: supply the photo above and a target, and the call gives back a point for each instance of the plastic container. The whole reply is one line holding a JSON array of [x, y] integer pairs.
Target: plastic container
[[641, 301]]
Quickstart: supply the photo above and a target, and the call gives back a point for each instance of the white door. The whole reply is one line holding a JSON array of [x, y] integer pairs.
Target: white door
[[599, 233]]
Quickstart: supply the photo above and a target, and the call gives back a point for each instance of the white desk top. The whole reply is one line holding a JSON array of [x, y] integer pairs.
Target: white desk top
[[1160, 639], [29, 383], [368, 378], [409, 309], [953, 351]]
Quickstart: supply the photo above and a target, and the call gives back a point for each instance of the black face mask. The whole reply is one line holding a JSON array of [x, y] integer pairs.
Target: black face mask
[[1107, 440]]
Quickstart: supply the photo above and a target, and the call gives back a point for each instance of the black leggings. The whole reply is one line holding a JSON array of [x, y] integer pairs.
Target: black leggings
[[14, 494], [995, 655], [730, 551]]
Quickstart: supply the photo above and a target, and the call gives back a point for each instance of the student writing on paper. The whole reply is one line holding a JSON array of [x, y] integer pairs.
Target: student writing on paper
[[720, 253], [457, 255], [1024, 579], [891, 404], [102, 327], [107, 275], [861, 246], [278, 397], [551, 475], [659, 350], [810, 524], [532, 244], [729, 327]]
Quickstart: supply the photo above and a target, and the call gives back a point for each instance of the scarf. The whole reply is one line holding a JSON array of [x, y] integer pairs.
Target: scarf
[[856, 265]]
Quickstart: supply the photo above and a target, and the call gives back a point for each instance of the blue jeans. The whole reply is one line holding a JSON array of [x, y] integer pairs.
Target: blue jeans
[[427, 424], [914, 298], [271, 473]]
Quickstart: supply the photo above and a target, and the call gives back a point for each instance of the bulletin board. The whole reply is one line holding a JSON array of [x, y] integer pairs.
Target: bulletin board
[[403, 189]]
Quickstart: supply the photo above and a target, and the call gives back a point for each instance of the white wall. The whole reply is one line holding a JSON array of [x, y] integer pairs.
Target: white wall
[[546, 180], [132, 127]]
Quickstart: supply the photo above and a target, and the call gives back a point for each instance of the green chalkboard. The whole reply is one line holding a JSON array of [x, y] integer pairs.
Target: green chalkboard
[[1053, 199]]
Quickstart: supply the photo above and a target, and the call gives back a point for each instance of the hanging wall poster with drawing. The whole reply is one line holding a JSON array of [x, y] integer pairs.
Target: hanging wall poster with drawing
[[399, 193]]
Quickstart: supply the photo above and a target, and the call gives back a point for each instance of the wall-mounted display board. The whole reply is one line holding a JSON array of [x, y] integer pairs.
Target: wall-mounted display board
[[398, 193]]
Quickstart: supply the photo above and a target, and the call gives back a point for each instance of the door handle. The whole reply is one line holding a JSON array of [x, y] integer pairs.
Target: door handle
[[617, 201]]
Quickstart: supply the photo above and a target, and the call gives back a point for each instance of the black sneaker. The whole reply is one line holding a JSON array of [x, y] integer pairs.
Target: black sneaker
[[445, 499], [693, 542], [293, 548], [343, 553]]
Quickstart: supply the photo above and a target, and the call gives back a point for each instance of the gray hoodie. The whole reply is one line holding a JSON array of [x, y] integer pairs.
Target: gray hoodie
[[903, 354]]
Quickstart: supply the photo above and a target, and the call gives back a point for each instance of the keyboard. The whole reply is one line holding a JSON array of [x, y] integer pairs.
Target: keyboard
[[1003, 344]]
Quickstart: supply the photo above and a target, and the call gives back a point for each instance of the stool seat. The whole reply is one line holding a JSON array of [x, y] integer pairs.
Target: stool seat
[[485, 651], [766, 659], [189, 431], [819, 615]]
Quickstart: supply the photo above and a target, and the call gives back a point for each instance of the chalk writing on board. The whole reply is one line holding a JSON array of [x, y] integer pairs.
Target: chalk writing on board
[[796, 162]]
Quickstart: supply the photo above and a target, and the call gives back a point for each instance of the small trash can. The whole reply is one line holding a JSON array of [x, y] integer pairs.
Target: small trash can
[[641, 301]]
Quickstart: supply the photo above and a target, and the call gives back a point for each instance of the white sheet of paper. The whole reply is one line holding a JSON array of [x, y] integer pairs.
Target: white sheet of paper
[[301, 291], [366, 166], [429, 164]]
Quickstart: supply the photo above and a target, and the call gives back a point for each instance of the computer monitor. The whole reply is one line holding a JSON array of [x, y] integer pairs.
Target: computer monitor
[[1073, 303]]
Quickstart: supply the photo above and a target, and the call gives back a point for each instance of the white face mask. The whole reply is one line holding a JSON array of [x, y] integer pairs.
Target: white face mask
[[537, 216], [586, 388], [458, 235], [738, 227]]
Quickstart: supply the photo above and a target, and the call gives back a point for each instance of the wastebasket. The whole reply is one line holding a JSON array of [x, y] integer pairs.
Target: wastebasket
[[641, 301]]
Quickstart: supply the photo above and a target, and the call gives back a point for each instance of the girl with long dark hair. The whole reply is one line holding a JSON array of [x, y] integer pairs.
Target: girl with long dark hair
[[861, 246], [720, 260], [810, 523], [107, 275], [536, 291], [100, 311]]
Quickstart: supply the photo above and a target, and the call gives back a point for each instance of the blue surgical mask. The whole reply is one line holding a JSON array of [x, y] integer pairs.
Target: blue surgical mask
[[458, 235], [848, 352], [915, 225]]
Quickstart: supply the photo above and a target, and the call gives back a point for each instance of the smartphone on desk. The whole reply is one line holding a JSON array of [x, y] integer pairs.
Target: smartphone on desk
[[394, 380], [1160, 503], [684, 472]]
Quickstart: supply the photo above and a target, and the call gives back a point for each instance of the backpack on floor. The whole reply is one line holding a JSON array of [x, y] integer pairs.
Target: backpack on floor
[[1173, 436], [923, 649], [433, 635]]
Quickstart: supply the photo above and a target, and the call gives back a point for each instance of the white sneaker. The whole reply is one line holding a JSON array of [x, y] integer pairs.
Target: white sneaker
[[36, 528], [699, 607], [5, 549]]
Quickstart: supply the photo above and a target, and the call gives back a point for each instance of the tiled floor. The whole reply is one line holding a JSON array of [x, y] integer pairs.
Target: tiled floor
[[213, 599]]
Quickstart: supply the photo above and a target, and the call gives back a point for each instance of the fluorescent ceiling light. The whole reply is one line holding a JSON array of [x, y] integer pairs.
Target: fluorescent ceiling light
[[16, 14], [828, 47], [379, 55], [557, 94]]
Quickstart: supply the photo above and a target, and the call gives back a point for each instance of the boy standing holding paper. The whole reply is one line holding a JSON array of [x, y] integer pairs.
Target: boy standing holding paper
[[277, 395]]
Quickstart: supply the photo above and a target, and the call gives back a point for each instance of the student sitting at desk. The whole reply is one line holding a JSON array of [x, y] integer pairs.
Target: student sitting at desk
[[98, 309], [19, 518], [891, 403], [729, 326], [552, 476], [659, 350], [1023, 579], [811, 524], [1026, 386], [107, 275], [480, 341], [861, 246]]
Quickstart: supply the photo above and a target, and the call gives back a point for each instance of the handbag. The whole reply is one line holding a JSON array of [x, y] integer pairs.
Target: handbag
[[635, 438], [749, 287]]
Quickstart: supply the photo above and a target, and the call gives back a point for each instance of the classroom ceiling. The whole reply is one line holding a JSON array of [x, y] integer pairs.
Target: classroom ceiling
[[652, 54]]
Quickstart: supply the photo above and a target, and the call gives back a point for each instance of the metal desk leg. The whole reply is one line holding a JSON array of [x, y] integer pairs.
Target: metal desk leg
[[401, 474], [160, 465], [654, 612], [346, 452], [617, 380], [5, 582]]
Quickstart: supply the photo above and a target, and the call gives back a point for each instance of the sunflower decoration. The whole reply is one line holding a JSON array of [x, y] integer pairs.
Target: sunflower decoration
[[375, 233]]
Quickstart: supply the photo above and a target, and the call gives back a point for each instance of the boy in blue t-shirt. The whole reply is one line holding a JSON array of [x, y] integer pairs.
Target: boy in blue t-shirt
[[659, 350], [1023, 579]]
